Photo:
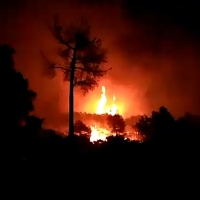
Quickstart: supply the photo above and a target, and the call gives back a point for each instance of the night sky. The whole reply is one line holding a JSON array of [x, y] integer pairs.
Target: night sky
[[154, 49]]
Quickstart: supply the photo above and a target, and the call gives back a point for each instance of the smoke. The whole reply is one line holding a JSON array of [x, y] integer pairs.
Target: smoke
[[153, 64]]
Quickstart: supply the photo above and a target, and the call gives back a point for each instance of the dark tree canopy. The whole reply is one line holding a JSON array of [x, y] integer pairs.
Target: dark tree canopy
[[89, 55], [34, 122], [80, 127], [81, 60], [116, 123], [159, 125], [6, 57], [17, 97]]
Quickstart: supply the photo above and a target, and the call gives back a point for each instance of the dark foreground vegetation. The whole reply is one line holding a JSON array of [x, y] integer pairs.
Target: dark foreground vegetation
[[35, 157]]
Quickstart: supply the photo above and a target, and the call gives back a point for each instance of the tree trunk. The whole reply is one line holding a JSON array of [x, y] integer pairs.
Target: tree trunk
[[71, 95]]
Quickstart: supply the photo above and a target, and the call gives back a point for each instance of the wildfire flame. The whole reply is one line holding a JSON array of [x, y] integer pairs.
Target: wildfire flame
[[102, 102], [101, 108], [113, 109], [98, 133], [101, 133]]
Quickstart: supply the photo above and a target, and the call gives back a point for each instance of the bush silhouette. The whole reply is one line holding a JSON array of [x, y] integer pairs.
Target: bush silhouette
[[17, 97], [116, 123], [81, 128], [20, 130], [159, 126]]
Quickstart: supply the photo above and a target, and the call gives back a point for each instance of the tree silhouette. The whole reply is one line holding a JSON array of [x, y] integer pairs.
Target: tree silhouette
[[160, 125], [17, 97], [6, 57], [116, 123], [145, 127], [82, 59], [80, 127], [188, 127], [34, 122]]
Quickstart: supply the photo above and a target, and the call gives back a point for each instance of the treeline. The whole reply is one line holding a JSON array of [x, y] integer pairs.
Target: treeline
[[24, 133]]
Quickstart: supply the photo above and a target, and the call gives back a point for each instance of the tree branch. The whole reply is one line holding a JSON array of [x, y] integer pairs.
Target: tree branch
[[64, 69], [92, 70], [78, 62], [86, 83], [58, 30]]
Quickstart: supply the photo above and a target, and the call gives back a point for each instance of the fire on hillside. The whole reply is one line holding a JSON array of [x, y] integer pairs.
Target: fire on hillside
[[97, 121], [101, 133]]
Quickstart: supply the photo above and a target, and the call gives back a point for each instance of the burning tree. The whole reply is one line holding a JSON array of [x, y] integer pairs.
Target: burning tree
[[82, 59]]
